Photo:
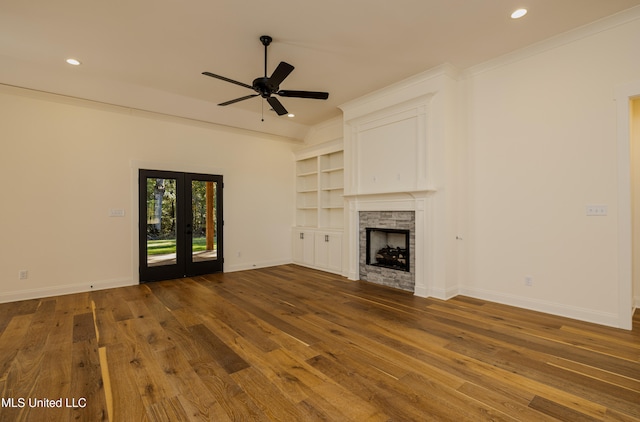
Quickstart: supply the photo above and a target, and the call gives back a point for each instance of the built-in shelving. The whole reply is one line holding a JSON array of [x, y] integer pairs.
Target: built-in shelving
[[320, 190], [317, 237]]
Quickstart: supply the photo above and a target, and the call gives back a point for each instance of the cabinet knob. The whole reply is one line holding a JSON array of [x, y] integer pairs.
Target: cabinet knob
[[301, 235], [326, 237]]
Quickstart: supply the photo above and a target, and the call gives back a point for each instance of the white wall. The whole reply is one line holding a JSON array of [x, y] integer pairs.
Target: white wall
[[541, 138], [65, 163]]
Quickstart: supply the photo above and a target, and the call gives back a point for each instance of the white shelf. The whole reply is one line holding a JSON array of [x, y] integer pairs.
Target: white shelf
[[332, 169]]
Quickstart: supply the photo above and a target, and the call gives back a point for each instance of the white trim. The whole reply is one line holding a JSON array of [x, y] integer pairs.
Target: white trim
[[421, 203], [444, 294], [623, 95], [319, 149], [582, 314], [425, 84], [284, 130], [415, 110], [83, 287], [255, 266]]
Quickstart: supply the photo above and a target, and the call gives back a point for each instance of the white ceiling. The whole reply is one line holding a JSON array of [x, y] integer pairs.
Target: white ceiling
[[149, 54]]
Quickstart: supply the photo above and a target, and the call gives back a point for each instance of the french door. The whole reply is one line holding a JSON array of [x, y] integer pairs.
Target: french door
[[180, 224]]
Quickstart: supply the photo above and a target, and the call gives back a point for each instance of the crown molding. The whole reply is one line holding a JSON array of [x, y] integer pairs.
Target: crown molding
[[139, 112], [423, 84]]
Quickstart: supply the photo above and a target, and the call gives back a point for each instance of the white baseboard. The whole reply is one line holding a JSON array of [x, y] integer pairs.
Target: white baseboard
[[573, 312], [422, 292], [442, 294], [253, 266], [38, 293], [66, 289]]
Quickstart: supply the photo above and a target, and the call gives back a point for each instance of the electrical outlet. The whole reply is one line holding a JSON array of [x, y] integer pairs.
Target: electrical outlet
[[23, 274], [528, 281]]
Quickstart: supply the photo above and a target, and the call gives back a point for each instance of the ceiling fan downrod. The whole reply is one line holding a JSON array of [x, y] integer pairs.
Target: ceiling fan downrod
[[266, 40]]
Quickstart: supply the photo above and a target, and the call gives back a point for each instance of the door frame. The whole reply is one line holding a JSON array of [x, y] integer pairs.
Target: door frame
[[135, 167], [623, 96]]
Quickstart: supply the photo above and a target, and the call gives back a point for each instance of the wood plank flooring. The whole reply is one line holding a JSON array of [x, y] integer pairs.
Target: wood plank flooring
[[293, 344]]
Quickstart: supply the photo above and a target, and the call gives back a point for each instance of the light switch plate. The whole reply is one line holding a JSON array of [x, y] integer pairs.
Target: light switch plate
[[116, 213], [596, 210]]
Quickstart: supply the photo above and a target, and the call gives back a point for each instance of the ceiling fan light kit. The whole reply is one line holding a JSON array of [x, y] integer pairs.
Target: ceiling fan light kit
[[266, 87]]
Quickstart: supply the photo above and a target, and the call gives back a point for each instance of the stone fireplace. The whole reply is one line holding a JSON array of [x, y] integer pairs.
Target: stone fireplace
[[387, 239]]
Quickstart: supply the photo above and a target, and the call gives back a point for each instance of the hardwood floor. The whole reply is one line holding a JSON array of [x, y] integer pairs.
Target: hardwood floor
[[293, 344]]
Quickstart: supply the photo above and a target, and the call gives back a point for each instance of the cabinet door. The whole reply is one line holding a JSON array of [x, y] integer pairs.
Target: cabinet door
[[335, 252], [322, 250], [328, 253], [303, 247]]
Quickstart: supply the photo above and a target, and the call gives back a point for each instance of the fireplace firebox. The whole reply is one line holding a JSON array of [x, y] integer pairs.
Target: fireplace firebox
[[388, 248]]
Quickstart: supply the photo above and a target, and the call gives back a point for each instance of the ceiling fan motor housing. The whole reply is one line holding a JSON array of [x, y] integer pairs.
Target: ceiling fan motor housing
[[264, 87]]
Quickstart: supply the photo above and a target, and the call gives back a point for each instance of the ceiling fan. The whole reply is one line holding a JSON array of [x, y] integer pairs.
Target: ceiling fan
[[268, 86]]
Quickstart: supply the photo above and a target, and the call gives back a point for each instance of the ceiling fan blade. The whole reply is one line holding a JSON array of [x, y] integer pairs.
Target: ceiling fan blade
[[304, 94], [281, 72], [213, 75], [277, 106], [226, 103]]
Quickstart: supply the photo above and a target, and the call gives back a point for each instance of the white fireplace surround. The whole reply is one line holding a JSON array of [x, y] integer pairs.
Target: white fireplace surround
[[400, 155], [418, 202]]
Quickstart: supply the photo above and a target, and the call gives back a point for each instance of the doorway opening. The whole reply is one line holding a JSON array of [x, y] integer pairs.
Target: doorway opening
[[634, 131], [626, 96], [180, 224]]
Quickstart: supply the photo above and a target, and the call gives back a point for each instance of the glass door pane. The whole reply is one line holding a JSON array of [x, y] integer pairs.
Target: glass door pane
[[204, 240], [161, 221], [161, 233], [204, 224]]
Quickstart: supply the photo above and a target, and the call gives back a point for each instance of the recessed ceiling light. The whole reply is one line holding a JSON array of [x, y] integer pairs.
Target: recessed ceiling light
[[291, 115], [518, 13], [73, 62]]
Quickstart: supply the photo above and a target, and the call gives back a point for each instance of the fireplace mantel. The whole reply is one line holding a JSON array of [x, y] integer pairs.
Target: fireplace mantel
[[389, 196]]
